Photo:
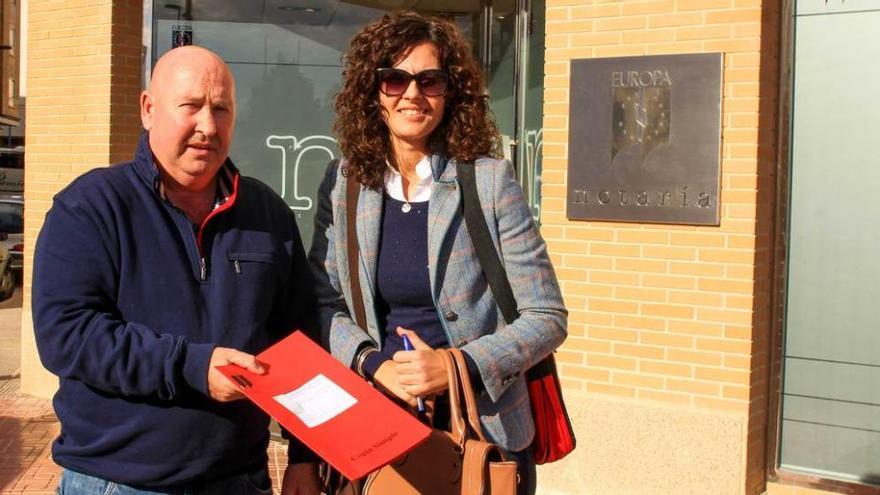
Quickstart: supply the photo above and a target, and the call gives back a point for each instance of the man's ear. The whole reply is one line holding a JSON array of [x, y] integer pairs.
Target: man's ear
[[147, 107]]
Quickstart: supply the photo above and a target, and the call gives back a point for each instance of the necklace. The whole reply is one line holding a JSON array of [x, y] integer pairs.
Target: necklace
[[405, 207]]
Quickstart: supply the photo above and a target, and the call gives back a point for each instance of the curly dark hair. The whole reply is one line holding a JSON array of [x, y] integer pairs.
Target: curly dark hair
[[466, 132]]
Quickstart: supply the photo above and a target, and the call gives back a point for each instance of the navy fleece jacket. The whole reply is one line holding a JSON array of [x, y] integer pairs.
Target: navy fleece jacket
[[129, 301]]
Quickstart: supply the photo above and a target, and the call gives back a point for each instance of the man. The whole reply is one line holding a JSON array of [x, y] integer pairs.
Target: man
[[150, 273]]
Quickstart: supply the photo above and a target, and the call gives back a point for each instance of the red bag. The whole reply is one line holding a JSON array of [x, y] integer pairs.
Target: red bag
[[554, 436]]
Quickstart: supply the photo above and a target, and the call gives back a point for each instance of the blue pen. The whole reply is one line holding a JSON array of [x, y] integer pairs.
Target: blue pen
[[407, 345]]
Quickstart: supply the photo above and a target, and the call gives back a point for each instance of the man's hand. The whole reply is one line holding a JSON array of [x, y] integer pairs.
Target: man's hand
[[221, 388], [422, 371], [301, 479]]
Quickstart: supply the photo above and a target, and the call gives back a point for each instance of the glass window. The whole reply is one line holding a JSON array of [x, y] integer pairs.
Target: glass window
[[287, 67], [12, 158], [501, 66], [286, 59], [11, 218]]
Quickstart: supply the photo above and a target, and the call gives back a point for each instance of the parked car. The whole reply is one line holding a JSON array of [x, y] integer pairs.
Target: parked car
[[12, 224], [7, 277]]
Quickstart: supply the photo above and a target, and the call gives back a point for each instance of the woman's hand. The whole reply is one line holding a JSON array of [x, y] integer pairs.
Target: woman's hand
[[420, 372], [387, 380]]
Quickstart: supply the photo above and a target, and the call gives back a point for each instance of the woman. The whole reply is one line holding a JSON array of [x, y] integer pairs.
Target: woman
[[412, 110]]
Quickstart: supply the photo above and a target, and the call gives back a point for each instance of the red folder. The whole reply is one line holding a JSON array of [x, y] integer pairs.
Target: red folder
[[340, 416]]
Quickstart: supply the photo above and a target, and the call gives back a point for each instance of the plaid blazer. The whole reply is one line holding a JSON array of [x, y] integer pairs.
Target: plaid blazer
[[460, 291]]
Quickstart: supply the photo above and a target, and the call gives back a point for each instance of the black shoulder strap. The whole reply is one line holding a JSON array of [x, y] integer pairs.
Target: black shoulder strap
[[352, 191], [479, 232]]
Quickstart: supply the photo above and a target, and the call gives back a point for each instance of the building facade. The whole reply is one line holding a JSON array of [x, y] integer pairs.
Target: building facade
[[736, 357]]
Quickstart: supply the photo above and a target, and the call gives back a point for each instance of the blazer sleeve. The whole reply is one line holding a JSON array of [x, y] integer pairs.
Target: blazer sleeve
[[339, 333], [512, 349]]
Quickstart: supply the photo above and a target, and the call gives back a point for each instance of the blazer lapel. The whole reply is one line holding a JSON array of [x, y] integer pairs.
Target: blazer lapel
[[369, 228], [444, 206]]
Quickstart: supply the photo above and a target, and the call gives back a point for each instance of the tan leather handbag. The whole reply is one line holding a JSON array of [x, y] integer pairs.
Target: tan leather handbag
[[457, 462]]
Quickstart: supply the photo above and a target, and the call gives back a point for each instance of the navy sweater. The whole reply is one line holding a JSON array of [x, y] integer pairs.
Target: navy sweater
[[403, 297], [128, 306]]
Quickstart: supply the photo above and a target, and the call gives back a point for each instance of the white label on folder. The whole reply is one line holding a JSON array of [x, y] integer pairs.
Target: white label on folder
[[316, 401]]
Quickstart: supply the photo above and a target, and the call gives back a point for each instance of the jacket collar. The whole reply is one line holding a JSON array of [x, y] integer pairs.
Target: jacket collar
[[143, 163], [439, 164]]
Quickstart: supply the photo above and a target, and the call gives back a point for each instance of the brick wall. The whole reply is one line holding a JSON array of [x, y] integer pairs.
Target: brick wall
[[659, 313], [81, 114]]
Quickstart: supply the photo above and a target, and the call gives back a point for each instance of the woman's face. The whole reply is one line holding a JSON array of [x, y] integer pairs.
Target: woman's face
[[413, 116]]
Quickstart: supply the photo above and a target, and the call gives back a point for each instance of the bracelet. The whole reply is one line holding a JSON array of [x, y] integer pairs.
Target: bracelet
[[359, 362]]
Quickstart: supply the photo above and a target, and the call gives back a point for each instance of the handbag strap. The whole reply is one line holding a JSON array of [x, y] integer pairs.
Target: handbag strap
[[485, 249], [467, 391], [352, 192], [456, 419]]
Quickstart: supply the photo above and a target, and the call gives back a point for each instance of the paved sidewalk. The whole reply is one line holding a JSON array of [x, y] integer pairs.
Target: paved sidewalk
[[28, 425]]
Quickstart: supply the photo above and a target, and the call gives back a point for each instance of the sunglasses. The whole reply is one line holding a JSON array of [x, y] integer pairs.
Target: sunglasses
[[394, 82]]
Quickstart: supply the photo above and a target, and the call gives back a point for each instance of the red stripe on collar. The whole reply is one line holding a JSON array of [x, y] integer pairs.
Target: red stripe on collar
[[227, 203]]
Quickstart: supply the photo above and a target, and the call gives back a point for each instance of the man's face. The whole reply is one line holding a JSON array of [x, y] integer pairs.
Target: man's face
[[189, 112]]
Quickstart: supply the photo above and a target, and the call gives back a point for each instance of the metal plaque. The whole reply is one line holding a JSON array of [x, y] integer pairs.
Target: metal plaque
[[645, 139]]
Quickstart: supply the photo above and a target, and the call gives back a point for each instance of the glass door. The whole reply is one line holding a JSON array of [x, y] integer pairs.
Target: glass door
[[530, 124], [830, 421]]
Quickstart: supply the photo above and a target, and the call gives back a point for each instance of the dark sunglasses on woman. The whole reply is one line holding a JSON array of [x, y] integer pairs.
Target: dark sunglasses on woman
[[394, 82]]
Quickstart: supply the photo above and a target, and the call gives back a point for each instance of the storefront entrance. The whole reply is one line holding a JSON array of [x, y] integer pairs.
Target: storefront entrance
[[286, 58]]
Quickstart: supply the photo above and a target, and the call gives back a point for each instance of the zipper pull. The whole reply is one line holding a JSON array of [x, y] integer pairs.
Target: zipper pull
[[237, 266], [203, 269]]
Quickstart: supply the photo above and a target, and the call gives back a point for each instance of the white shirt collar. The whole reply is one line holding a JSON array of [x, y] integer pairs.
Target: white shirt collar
[[394, 182]]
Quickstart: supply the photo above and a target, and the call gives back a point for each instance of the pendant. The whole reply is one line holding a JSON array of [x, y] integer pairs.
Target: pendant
[[405, 207]]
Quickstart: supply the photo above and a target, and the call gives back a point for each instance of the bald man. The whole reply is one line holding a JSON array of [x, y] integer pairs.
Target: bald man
[[149, 273]]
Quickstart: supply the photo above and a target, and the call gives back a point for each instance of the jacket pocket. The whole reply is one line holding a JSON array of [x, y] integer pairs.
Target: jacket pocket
[[245, 260], [253, 279]]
